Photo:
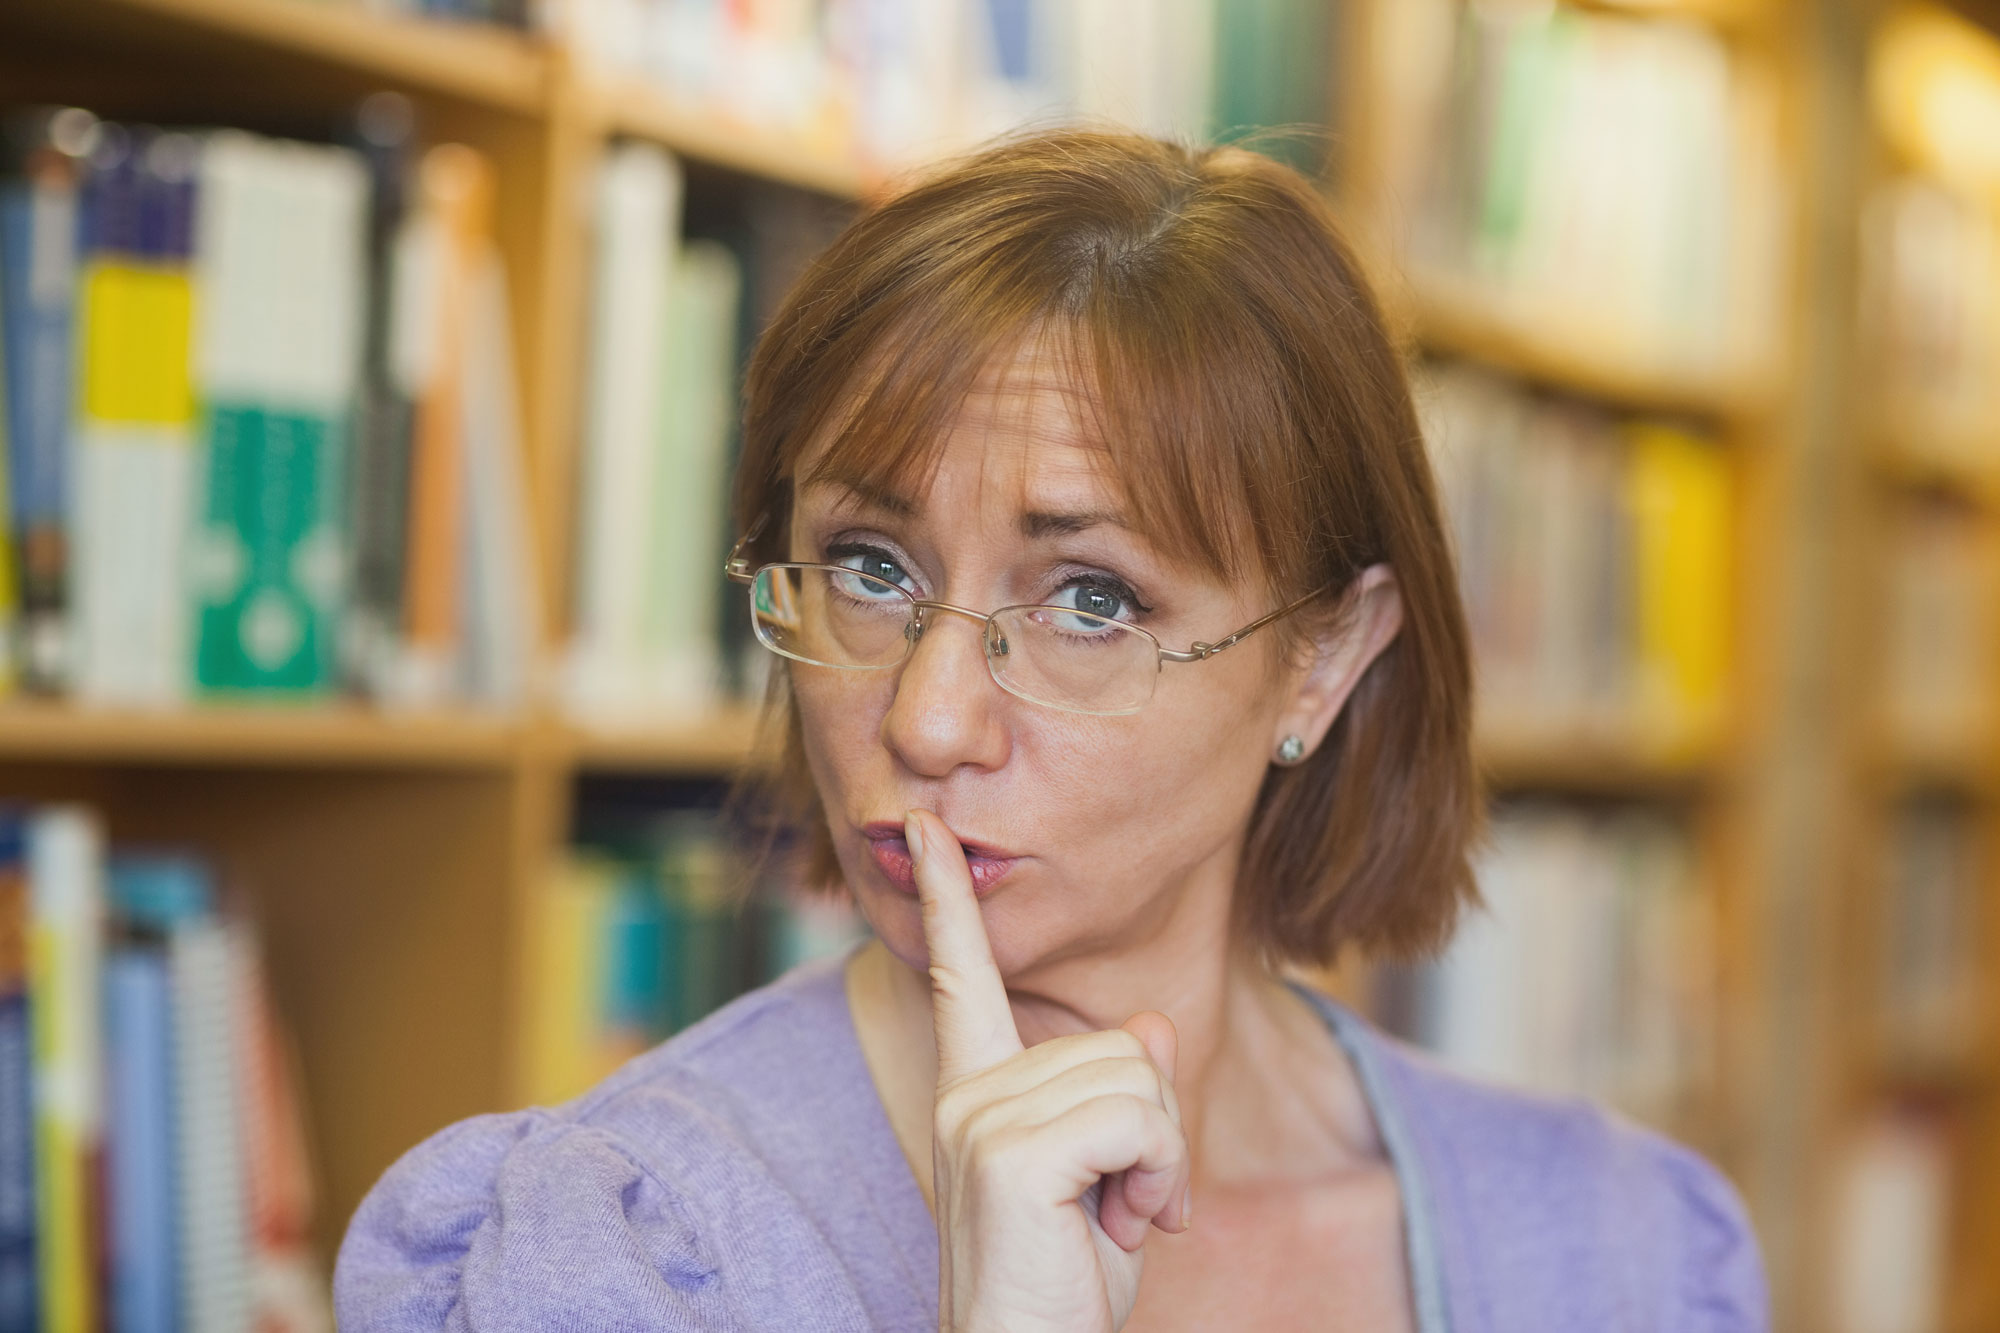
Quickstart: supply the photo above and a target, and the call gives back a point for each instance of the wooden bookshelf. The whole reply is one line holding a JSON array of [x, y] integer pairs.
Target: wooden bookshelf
[[1912, 448], [1757, 798], [1565, 353], [476, 63], [307, 736], [634, 109]]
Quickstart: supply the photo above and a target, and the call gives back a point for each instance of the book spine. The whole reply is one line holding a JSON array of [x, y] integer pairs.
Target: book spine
[[65, 873], [280, 393], [215, 1272], [139, 1149], [18, 1281], [453, 225], [135, 425], [639, 210], [379, 496], [682, 612], [39, 225]]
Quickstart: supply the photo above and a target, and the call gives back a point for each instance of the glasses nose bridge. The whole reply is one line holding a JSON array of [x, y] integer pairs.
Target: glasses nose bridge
[[920, 620], [990, 639]]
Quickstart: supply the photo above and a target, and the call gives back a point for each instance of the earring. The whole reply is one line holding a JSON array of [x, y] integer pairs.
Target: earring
[[1291, 749]]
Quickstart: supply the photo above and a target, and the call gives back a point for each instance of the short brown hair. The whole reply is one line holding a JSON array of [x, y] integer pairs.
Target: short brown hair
[[1259, 417]]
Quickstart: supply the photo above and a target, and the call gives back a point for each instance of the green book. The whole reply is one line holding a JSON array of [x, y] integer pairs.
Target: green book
[[269, 552]]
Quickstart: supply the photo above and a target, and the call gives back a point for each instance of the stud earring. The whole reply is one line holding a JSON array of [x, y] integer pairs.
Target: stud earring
[[1291, 749]]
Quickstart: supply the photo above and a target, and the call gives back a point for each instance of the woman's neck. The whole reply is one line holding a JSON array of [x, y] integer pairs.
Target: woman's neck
[[1263, 1087]]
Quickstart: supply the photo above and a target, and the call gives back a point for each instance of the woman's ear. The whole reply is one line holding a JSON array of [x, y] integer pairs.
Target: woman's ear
[[1340, 654]]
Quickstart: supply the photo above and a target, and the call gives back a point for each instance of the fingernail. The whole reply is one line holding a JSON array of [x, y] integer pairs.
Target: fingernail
[[913, 833], [1187, 1205]]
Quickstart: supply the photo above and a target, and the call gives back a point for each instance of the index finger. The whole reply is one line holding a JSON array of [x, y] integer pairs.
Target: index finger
[[969, 1011]]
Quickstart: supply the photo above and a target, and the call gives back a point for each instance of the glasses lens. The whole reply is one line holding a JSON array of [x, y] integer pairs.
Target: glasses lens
[[1072, 659], [830, 617]]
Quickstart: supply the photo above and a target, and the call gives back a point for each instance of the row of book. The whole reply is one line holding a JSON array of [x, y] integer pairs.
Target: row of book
[[1931, 994], [647, 931], [666, 336], [1591, 969], [153, 1165], [259, 433], [1931, 314], [1594, 555], [1940, 621], [893, 81], [1894, 1210], [1612, 182], [1931, 231]]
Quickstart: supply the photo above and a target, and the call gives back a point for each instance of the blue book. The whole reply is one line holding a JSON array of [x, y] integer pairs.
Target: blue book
[[139, 1142], [41, 182], [18, 1282]]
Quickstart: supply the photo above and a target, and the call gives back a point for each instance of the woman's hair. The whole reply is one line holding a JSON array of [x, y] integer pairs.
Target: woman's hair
[[1234, 366]]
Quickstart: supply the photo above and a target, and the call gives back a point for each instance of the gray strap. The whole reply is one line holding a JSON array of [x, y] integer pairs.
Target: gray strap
[[1419, 1220]]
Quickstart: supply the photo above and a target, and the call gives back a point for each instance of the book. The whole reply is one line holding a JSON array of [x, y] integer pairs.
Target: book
[[443, 246], [1608, 182], [500, 590], [280, 263], [18, 1280], [642, 930], [1589, 971], [133, 454], [1595, 558], [681, 615], [65, 853], [46, 160], [1929, 963], [619, 476], [205, 958], [1892, 1205], [384, 133], [1940, 641], [142, 1196]]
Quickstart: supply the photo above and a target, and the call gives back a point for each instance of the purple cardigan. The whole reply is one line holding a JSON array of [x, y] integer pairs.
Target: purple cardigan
[[744, 1176]]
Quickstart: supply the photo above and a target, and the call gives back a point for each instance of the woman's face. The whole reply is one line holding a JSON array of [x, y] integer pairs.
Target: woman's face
[[1102, 832]]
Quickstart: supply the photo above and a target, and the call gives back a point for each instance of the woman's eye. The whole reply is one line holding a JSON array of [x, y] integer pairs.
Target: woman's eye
[[872, 562], [1095, 598]]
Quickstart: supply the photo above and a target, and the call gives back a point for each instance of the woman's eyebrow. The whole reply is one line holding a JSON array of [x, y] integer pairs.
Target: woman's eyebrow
[[1037, 524], [865, 493]]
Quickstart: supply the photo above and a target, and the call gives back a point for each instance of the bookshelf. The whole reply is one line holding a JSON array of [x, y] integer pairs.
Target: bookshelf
[[1751, 796], [370, 836], [1922, 481]]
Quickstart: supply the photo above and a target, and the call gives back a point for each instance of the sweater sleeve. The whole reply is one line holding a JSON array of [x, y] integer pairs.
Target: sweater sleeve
[[524, 1221], [1720, 1284]]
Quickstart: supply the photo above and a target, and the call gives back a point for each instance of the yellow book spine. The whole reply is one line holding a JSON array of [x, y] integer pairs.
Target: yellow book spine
[[137, 323], [1680, 497], [62, 1209], [562, 1036]]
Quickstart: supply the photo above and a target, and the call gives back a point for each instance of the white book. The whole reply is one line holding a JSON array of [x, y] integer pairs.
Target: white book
[[1892, 1228], [682, 613], [204, 959], [638, 225], [281, 267], [502, 596], [134, 456]]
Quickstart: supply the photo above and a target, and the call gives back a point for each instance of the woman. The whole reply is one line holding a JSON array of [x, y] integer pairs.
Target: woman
[[1083, 495]]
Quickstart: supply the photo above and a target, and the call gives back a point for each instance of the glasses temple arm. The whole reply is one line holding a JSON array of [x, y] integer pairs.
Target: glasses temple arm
[[737, 566], [1198, 651]]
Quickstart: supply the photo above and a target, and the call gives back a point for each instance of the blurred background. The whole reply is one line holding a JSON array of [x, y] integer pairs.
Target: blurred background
[[371, 688]]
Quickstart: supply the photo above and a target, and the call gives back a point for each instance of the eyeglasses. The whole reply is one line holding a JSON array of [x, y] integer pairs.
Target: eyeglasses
[[1057, 656]]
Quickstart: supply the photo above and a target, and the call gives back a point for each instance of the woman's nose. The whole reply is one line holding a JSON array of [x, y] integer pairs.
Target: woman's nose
[[948, 710]]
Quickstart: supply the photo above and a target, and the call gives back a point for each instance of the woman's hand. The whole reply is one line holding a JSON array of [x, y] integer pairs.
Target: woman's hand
[[1050, 1163]]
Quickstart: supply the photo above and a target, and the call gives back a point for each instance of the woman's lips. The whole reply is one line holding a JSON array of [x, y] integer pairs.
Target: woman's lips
[[892, 853]]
